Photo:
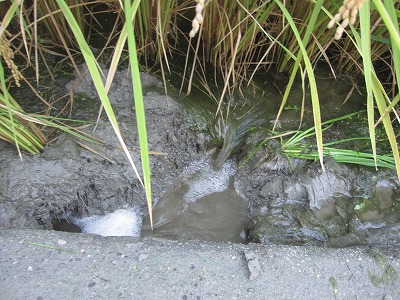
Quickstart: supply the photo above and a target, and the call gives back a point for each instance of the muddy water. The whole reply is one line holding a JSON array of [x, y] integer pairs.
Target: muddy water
[[202, 205]]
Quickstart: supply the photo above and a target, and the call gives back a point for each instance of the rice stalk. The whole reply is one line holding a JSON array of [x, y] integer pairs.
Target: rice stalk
[[27, 124], [376, 94], [302, 13], [20, 128], [139, 106], [55, 23], [311, 79], [13, 129], [297, 64], [347, 57]]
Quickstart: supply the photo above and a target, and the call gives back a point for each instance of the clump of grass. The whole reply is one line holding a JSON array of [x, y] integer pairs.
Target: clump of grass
[[14, 129], [301, 145], [17, 127], [17, 130]]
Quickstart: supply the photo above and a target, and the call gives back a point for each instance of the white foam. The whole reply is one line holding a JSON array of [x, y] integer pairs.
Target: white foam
[[204, 180], [121, 222]]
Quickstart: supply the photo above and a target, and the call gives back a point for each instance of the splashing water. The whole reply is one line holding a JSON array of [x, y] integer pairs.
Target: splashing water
[[121, 222], [236, 134]]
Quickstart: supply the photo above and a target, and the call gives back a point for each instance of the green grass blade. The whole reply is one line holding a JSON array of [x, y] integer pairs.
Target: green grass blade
[[364, 43], [380, 98], [119, 47], [388, 15], [4, 23], [7, 102], [312, 82], [394, 38], [13, 136], [374, 88], [139, 106], [51, 247], [9, 16]]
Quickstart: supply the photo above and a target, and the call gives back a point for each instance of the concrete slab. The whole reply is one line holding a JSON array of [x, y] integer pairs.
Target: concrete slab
[[60, 265]]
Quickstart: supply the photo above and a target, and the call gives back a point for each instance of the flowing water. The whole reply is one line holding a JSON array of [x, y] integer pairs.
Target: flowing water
[[202, 205], [236, 132]]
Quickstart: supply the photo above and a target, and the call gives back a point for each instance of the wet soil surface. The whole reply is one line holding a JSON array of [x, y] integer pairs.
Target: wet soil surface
[[287, 202]]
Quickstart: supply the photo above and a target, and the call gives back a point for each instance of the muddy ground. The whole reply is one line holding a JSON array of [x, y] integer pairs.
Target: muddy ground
[[288, 204]]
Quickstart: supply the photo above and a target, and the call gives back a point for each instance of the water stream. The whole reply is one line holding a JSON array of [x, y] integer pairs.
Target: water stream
[[202, 205]]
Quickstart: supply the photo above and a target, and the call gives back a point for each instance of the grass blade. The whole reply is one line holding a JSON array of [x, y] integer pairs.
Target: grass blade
[[8, 105], [139, 106], [312, 82], [364, 43]]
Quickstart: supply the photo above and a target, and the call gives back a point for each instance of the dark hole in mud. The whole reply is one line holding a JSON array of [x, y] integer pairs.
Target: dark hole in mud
[[65, 225]]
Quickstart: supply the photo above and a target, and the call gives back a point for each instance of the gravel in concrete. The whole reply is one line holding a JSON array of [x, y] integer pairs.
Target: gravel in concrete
[[60, 265]]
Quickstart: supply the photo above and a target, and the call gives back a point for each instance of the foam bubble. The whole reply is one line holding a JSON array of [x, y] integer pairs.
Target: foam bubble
[[203, 180], [121, 222]]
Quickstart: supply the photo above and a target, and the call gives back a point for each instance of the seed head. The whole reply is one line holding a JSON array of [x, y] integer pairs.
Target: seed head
[[348, 13], [8, 55]]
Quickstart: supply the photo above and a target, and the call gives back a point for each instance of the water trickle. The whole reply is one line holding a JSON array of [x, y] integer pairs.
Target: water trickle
[[202, 180]]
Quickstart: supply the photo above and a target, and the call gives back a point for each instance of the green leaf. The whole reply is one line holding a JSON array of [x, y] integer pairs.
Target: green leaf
[[139, 106]]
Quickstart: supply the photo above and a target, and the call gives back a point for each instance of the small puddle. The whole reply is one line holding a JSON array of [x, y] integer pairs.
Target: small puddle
[[203, 205]]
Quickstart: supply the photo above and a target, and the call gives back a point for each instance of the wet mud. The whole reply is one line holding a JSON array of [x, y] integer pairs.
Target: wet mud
[[274, 202]]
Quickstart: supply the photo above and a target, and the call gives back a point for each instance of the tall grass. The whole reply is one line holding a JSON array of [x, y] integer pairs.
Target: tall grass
[[139, 106], [297, 38]]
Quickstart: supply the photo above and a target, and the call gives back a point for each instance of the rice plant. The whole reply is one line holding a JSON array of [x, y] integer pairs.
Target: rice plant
[[293, 36]]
